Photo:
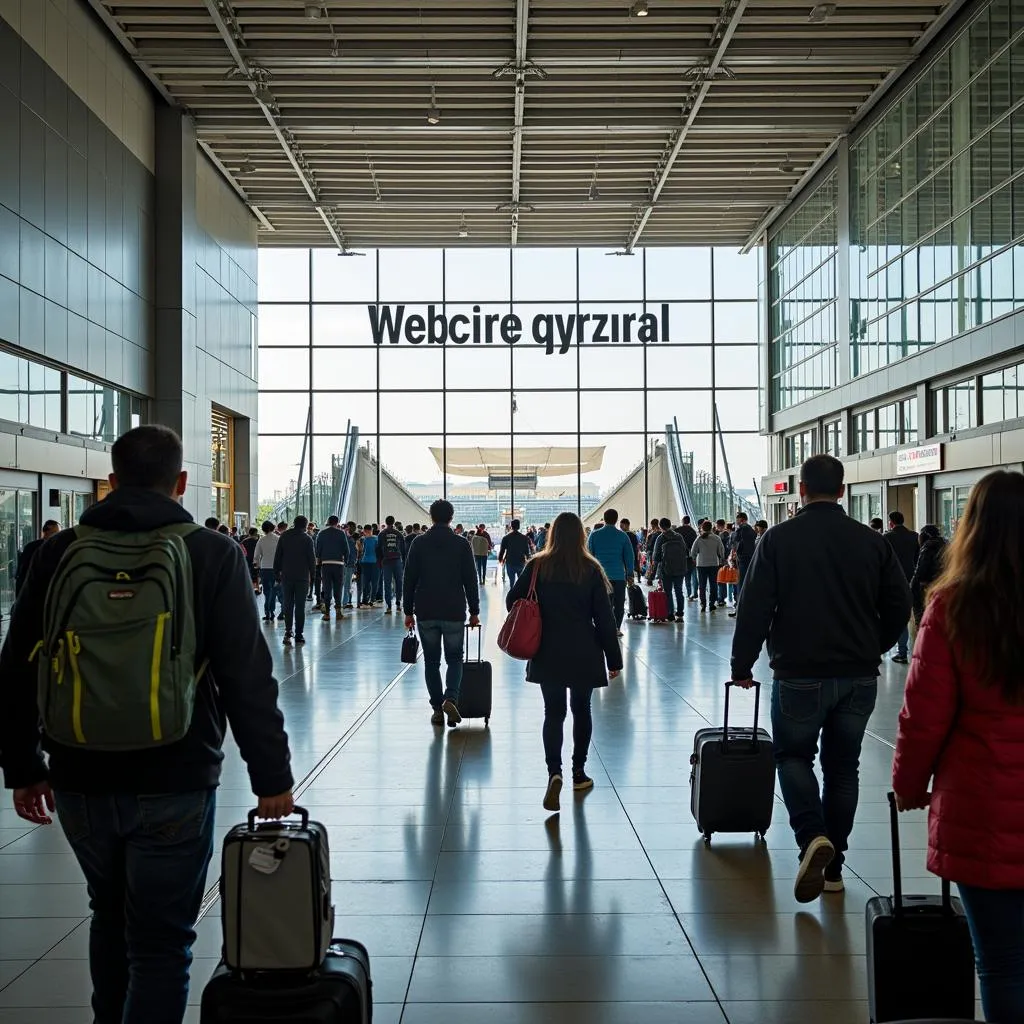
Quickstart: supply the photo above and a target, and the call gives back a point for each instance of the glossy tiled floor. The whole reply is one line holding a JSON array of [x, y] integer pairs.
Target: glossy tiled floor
[[475, 904]]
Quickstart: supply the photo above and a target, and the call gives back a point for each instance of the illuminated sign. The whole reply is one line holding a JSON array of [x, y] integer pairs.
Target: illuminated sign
[[780, 487]]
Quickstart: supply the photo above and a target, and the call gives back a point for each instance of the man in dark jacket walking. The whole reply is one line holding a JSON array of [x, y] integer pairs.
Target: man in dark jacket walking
[[332, 554], [670, 561], [744, 540], [689, 535], [391, 553], [830, 598], [906, 544], [295, 566], [513, 552], [50, 529], [440, 581], [141, 822]]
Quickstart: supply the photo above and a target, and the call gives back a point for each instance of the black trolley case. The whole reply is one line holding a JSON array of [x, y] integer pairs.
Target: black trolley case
[[475, 694]]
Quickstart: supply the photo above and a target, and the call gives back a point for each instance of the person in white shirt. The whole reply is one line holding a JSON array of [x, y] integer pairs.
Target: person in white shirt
[[263, 561]]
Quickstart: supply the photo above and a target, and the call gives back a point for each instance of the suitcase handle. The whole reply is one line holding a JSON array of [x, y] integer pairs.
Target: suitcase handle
[[300, 811], [897, 876], [725, 722], [479, 641]]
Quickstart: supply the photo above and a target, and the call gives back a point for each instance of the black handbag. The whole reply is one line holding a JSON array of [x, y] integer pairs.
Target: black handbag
[[410, 648]]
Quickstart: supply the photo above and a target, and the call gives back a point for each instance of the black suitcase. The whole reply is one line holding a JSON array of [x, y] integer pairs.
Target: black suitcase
[[475, 694], [637, 602], [732, 776], [920, 957], [339, 992]]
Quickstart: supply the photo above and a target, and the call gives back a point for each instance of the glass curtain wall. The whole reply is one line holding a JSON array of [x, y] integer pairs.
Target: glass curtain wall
[[320, 370]]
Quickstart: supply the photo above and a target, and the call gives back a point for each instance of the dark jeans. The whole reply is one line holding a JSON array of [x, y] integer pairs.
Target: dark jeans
[[707, 575], [293, 600], [674, 586], [514, 572], [554, 718], [996, 918], [144, 859], [742, 565], [331, 576], [434, 633], [903, 644], [392, 581], [481, 567], [269, 583], [367, 582], [691, 580], [346, 585], [837, 710], [619, 601]]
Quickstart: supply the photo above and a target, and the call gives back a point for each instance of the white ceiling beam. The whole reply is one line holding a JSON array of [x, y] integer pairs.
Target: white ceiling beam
[[522, 32], [732, 12], [217, 10]]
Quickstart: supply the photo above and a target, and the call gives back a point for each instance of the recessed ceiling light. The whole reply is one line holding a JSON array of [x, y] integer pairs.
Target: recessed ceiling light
[[463, 227], [434, 115], [313, 11], [787, 166], [247, 167], [821, 13], [639, 9]]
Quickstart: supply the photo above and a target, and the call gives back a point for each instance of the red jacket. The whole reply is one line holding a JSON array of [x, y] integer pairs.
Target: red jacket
[[970, 742]]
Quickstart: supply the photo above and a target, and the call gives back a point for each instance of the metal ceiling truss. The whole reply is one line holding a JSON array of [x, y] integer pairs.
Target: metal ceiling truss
[[563, 122]]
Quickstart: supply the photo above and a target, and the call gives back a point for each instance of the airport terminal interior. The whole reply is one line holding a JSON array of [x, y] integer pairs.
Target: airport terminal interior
[[531, 256]]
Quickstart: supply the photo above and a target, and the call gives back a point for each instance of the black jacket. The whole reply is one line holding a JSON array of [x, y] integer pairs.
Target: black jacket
[[927, 571], [24, 561], [332, 545], [670, 555], [514, 550], [295, 558], [381, 540], [238, 687], [577, 631], [906, 545], [744, 540], [826, 593], [440, 577], [689, 535]]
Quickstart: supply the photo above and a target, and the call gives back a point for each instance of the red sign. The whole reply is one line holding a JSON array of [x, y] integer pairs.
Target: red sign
[[780, 487]]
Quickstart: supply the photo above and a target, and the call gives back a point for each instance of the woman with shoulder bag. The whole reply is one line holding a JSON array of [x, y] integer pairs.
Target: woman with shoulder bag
[[962, 730], [578, 638]]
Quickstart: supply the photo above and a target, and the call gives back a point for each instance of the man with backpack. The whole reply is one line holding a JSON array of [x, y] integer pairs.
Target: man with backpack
[[670, 560], [135, 755], [391, 556]]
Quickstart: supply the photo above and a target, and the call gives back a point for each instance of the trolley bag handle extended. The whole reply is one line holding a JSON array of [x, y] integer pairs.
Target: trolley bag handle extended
[[300, 811], [897, 876], [479, 641], [725, 723]]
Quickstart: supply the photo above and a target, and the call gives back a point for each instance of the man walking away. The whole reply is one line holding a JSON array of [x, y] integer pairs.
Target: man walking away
[[744, 540], [514, 550], [670, 559], [266, 550], [295, 566], [906, 544], [542, 536], [141, 821], [367, 568], [440, 582], [829, 596], [481, 545], [689, 535], [611, 547], [634, 543], [331, 549], [653, 532], [50, 529], [351, 561], [707, 553], [391, 551]]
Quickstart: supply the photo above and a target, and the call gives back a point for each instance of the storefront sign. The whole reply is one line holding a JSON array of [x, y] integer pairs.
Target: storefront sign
[[780, 487], [554, 331], [926, 459]]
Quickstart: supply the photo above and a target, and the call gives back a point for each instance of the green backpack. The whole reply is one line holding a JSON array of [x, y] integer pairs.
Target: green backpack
[[117, 662]]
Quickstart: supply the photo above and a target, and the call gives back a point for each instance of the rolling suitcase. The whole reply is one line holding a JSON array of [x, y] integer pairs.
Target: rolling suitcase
[[337, 992], [657, 605], [637, 603], [275, 887], [475, 695], [732, 776], [920, 957]]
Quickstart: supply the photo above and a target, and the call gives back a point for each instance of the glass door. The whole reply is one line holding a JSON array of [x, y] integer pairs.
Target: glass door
[[17, 528]]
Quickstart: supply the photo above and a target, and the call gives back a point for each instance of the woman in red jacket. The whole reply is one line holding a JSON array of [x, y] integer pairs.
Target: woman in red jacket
[[962, 729]]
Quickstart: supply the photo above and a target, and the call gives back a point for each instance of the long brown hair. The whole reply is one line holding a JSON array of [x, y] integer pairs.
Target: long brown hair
[[981, 584], [565, 557]]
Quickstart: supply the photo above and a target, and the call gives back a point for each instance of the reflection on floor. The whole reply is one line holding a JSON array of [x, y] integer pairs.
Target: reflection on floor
[[474, 903]]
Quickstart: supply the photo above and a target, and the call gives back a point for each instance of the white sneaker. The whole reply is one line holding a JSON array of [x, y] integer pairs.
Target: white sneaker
[[834, 885], [810, 879]]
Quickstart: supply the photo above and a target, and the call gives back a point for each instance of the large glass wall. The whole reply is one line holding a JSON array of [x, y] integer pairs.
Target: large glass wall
[[668, 334]]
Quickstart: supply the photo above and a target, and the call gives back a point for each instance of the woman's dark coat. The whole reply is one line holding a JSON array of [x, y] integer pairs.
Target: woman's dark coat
[[926, 572]]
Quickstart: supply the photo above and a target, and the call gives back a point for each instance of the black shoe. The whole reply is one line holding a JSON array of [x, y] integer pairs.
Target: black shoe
[[437, 718], [553, 792], [280, 617], [300, 639], [287, 639], [732, 615], [900, 659], [581, 781]]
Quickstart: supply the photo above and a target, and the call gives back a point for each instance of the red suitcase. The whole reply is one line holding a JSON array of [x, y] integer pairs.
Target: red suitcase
[[657, 606]]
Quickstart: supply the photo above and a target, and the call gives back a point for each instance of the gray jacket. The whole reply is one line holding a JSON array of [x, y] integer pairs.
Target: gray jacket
[[707, 551]]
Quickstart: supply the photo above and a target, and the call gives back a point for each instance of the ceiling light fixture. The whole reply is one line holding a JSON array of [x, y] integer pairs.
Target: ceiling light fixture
[[247, 167], [593, 193], [434, 113], [264, 95], [786, 166], [313, 11], [463, 227], [639, 9], [820, 13]]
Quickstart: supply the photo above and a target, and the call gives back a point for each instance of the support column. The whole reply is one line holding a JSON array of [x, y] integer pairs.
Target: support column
[[844, 324]]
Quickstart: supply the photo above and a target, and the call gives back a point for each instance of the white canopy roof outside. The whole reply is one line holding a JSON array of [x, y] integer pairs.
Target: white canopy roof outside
[[496, 461]]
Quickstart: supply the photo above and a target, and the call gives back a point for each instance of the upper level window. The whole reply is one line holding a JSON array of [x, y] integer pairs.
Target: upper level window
[[30, 393], [955, 407], [1002, 394]]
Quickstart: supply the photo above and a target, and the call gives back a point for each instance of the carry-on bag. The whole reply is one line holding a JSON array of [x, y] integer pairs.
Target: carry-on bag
[[475, 695], [919, 954], [337, 992], [637, 602], [732, 776], [521, 631], [410, 648], [275, 887], [657, 605]]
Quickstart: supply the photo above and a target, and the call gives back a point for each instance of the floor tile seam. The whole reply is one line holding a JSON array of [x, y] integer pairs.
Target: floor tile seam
[[12, 841], [661, 885], [664, 682], [46, 952], [320, 653], [213, 893]]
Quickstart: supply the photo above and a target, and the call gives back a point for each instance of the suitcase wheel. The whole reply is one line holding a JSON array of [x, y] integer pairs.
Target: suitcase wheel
[[487, 722], [707, 838]]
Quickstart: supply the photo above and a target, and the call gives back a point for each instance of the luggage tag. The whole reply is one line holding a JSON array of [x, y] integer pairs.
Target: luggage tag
[[267, 859]]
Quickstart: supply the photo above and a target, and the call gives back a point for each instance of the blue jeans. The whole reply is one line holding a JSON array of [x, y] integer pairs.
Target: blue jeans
[[837, 711], [144, 859], [903, 644], [293, 600], [367, 582], [481, 567], [346, 585], [434, 632], [691, 581], [268, 581], [392, 581], [996, 919], [514, 572], [331, 575], [674, 587]]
